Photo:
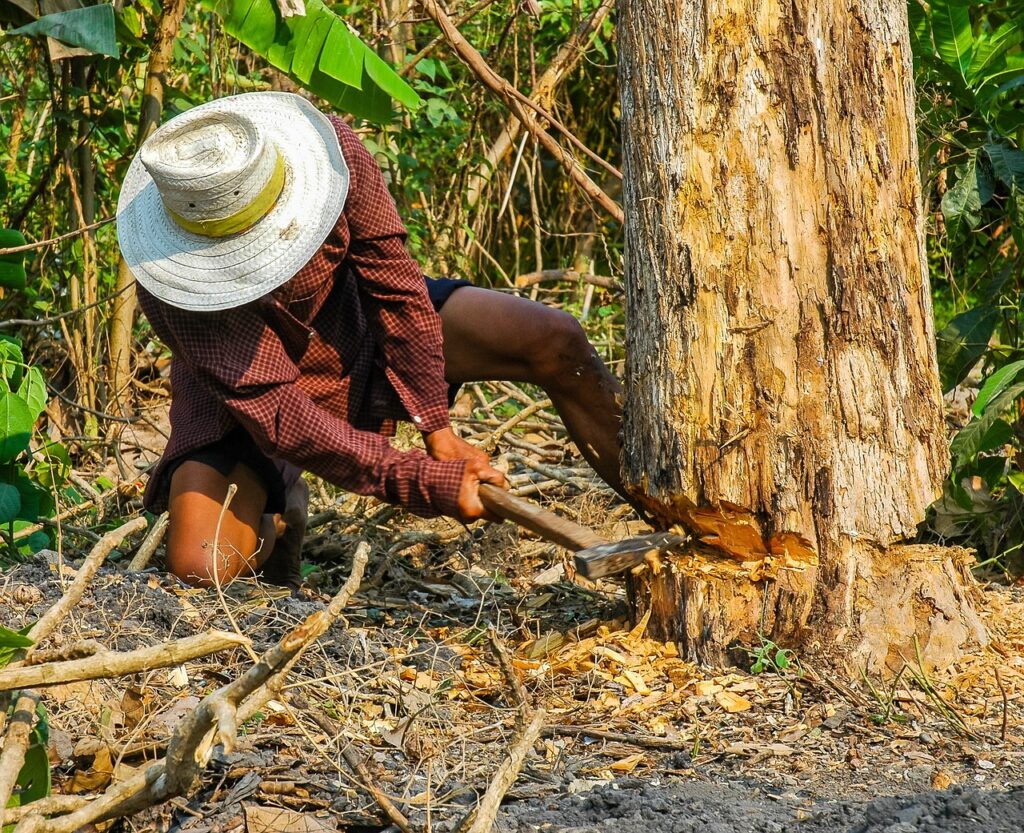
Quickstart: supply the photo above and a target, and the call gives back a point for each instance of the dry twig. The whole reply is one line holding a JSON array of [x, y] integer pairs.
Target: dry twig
[[108, 664], [149, 544], [16, 743], [505, 777]]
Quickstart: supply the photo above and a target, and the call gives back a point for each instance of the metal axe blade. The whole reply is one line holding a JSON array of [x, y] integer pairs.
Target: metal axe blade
[[608, 559]]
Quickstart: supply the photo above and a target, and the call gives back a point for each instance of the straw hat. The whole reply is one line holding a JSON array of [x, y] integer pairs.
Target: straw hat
[[229, 200]]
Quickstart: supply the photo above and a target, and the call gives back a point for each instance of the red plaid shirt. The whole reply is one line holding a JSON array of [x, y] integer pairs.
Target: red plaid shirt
[[318, 370]]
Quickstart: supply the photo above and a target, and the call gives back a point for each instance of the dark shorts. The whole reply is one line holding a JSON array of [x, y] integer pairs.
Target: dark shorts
[[238, 447]]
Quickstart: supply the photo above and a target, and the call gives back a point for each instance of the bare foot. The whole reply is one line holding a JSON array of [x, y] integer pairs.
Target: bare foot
[[283, 565]]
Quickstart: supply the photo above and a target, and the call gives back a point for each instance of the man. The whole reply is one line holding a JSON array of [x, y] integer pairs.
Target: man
[[271, 259]]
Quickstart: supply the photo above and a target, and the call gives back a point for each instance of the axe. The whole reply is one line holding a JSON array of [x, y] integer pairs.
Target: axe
[[594, 556]]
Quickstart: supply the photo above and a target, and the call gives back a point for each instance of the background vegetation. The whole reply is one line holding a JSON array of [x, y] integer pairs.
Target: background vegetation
[[477, 205]]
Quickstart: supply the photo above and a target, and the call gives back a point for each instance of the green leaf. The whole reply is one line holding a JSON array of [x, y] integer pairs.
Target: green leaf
[[962, 342], [90, 28], [390, 81], [989, 49], [16, 422], [33, 391], [342, 55], [963, 202], [13, 639], [38, 540], [996, 384], [1007, 164], [319, 52], [971, 438], [1016, 479], [310, 39], [10, 503], [951, 27]]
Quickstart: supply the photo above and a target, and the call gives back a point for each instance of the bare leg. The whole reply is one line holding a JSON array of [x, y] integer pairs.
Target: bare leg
[[249, 538], [488, 335]]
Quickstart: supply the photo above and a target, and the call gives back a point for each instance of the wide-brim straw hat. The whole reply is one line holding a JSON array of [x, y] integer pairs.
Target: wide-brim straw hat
[[227, 201]]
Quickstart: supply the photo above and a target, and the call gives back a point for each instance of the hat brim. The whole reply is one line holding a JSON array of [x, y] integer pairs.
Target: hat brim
[[194, 272]]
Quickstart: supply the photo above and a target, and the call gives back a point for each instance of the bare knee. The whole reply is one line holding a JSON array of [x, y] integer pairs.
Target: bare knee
[[564, 355], [203, 559]]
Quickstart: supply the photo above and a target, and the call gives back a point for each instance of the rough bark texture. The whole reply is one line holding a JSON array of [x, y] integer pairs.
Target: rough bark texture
[[780, 349]]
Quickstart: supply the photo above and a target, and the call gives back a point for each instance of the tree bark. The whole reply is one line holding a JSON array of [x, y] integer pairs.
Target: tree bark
[[123, 318], [780, 352]]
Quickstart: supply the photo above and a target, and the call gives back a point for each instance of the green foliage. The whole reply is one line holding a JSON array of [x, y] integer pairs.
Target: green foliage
[[89, 28], [769, 657], [27, 478], [970, 73], [12, 266], [319, 52]]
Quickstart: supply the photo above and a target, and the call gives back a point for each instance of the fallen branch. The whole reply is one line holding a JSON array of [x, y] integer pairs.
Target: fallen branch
[[643, 741], [50, 806], [510, 423], [107, 664], [149, 544], [210, 727], [16, 743], [505, 777], [514, 99]]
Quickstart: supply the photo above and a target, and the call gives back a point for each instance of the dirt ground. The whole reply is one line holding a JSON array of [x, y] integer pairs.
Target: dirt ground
[[635, 737]]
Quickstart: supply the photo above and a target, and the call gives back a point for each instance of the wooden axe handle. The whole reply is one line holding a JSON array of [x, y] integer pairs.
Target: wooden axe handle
[[547, 525]]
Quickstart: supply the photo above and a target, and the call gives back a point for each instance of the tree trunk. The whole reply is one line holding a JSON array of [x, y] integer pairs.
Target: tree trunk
[[780, 344], [123, 318]]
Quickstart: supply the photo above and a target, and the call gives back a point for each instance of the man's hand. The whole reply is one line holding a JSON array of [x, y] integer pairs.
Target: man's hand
[[445, 445]]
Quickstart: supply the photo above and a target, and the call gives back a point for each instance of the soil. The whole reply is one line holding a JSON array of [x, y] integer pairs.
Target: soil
[[636, 806], [409, 682]]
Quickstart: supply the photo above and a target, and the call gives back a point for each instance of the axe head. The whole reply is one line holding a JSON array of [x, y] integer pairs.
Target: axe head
[[610, 559]]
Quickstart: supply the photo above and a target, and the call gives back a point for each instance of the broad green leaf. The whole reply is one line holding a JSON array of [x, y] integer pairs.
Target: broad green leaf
[[919, 40], [36, 541], [389, 81], [996, 384], [16, 422], [962, 203], [33, 391], [989, 49], [962, 342], [13, 639], [342, 55], [319, 52], [259, 28], [90, 28], [1007, 164], [951, 27], [10, 503], [1016, 479], [971, 438], [310, 40]]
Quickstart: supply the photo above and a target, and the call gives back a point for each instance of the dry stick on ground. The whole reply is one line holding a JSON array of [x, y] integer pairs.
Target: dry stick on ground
[[474, 60], [149, 544], [49, 806], [16, 743], [520, 696], [212, 724], [506, 775], [643, 741], [1006, 705], [510, 423], [109, 664]]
